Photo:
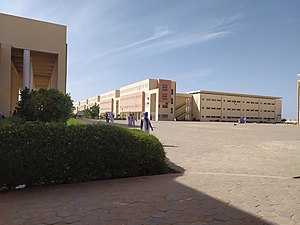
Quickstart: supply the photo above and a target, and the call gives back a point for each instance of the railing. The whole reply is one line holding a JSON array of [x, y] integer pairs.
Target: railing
[[181, 105]]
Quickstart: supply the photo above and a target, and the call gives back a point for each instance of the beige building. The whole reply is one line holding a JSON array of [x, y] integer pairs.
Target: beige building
[[109, 102], [87, 103], [32, 54], [155, 96], [227, 107]]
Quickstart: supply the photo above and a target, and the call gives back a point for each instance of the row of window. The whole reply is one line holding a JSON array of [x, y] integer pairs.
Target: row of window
[[237, 117], [164, 87], [163, 116], [237, 101], [164, 96], [233, 109], [108, 95], [136, 88], [131, 106], [131, 97]]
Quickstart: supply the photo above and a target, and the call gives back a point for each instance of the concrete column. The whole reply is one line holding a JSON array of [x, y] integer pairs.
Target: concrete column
[[27, 75], [156, 107]]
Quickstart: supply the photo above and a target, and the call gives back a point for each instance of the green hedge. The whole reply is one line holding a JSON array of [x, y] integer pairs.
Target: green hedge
[[39, 154]]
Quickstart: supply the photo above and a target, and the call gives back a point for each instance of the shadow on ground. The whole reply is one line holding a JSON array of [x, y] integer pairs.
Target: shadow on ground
[[160, 199]]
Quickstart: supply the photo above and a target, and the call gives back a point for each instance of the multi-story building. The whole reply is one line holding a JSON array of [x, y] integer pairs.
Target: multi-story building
[[227, 107], [109, 102], [155, 96], [32, 54], [158, 97], [87, 103]]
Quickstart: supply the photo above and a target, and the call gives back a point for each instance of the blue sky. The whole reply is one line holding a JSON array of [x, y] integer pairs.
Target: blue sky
[[219, 45]]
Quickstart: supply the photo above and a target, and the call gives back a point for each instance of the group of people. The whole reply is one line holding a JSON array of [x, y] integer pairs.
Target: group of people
[[131, 120], [109, 117], [145, 122], [242, 120]]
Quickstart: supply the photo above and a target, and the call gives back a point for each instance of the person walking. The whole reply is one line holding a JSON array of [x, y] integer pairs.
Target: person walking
[[130, 120], [133, 120], [145, 123], [112, 118], [106, 118]]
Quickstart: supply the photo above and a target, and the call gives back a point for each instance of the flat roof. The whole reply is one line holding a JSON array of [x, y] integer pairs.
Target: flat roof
[[232, 94], [30, 19]]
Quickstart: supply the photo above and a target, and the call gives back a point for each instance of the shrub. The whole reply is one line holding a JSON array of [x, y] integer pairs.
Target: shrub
[[45, 105], [92, 112], [39, 154], [12, 120]]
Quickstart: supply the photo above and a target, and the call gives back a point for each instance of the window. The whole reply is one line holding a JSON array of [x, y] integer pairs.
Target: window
[[172, 100], [171, 110], [165, 105], [172, 91], [164, 96], [164, 87], [164, 116]]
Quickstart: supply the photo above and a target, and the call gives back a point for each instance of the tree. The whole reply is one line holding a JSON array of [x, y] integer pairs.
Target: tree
[[92, 112], [45, 105]]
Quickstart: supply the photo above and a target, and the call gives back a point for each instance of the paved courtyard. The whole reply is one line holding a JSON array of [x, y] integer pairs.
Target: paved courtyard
[[239, 174]]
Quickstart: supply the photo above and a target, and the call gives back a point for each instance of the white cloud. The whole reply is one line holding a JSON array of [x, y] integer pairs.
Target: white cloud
[[159, 32], [163, 39], [180, 41]]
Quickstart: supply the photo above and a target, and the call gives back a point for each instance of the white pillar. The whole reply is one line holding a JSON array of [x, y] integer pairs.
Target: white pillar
[[156, 105], [27, 74]]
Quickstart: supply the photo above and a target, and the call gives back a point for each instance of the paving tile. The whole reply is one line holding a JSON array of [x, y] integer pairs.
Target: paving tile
[[241, 181], [52, 220]]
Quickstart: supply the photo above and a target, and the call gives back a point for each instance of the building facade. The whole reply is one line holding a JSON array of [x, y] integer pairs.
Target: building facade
[[32, 54], [84, 104], [227, 107], [109, 102], [155, 96]]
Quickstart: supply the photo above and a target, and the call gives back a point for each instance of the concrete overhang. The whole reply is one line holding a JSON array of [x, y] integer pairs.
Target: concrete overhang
[[43, 65]]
